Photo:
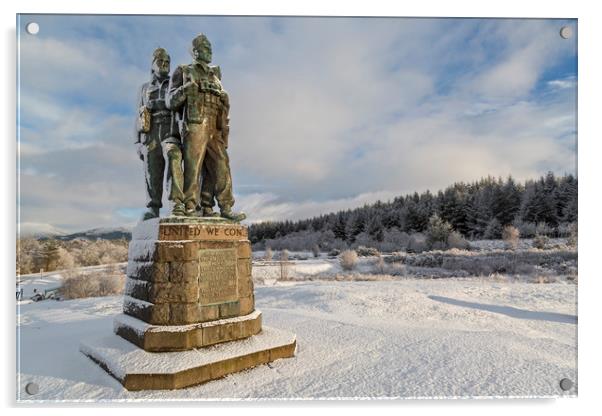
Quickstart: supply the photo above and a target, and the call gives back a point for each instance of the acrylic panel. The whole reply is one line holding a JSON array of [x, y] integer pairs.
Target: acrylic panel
[[235, 207]]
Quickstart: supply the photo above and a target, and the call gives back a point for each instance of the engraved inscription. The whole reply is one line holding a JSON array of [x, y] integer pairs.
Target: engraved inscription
[[202, 232], [218, 276]]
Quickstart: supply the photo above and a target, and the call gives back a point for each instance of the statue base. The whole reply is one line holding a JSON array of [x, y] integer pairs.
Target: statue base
[[137, 369], [189, 308], [160, 338]]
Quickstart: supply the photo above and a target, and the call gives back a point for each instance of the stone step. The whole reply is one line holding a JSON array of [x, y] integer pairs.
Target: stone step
[[160, 338], [137, 369]]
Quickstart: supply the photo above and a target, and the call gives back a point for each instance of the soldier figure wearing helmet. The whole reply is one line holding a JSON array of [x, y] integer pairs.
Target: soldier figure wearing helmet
[[201, 104], [158, 140]]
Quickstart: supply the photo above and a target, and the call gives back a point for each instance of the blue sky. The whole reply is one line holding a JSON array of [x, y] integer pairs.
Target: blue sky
[[327, 113]]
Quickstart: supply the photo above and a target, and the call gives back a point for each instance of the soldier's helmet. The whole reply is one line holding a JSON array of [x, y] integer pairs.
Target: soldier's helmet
[[160, 53], [200, 42]]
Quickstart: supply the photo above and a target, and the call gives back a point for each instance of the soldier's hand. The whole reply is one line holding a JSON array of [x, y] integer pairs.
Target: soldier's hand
[[190, 87], [139, 151]]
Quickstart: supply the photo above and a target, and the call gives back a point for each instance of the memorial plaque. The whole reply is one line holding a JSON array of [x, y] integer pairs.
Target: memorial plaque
[[218, 276]]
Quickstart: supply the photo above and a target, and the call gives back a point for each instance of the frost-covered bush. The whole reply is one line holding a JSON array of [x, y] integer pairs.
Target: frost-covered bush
[[334, 252], [493, 230], [65, 260], [367, 251], [284, 265], [379, 265], [315, 250], [526, 229], [456, 240], [268, 254], [572, 239], [394, 240], [437, 232], [92, 285], [348, 259], [541, 241], [417, 243], [543, 229], [523, 262], [511, 236]]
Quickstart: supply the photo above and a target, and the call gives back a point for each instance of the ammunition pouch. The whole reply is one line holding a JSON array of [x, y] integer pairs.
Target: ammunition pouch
[[202, 105]]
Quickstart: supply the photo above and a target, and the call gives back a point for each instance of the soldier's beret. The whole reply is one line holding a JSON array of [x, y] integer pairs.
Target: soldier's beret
[[160, 53], [200, 41]]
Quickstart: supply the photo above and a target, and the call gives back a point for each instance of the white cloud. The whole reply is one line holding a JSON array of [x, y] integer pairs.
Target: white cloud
[[262, 207], [568, 82]]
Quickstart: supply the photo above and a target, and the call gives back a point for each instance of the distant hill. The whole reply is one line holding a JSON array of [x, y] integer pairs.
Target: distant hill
[[39, 230], [48, 232], [100, 234]]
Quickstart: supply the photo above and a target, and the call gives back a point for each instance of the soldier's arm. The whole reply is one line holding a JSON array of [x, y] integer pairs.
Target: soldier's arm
[[139, 140], [176, 95], [139, 104]]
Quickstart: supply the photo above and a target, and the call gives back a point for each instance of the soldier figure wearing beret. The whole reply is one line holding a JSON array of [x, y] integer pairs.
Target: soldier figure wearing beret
[[201, 104], [158, 140]]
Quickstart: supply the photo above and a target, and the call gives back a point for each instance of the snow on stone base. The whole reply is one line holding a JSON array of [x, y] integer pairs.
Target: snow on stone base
[[141, 327], [137, 369]]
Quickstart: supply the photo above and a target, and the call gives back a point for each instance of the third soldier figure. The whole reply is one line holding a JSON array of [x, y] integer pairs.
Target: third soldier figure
[[197, 96]]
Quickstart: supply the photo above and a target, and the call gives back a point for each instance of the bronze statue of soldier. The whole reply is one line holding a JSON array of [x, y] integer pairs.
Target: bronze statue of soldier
[[201, 104], [158, 140], [212, 170]]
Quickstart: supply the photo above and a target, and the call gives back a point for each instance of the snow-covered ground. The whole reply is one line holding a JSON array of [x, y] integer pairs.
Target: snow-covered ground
[[403, 338]]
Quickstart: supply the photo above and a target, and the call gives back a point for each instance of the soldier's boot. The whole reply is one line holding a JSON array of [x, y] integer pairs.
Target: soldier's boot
[[151, 212], [208, 212], [231, 215], [190, 209], [179, 210]]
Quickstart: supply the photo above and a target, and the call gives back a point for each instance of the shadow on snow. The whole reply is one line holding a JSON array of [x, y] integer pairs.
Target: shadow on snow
[[510, 311]]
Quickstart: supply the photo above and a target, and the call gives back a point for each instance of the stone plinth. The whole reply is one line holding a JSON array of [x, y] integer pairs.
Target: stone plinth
[[137, 369], [186, 271], [189, 309]]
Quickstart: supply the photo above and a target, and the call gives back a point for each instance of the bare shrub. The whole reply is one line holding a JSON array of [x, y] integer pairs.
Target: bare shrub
[[457, 241], [79, 286], [315, 250], [511, 236], [541, 241], [348, 259], [110, 284], [572, 239], [268, 254], [88, 285], [379, 265], [284, 265]]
